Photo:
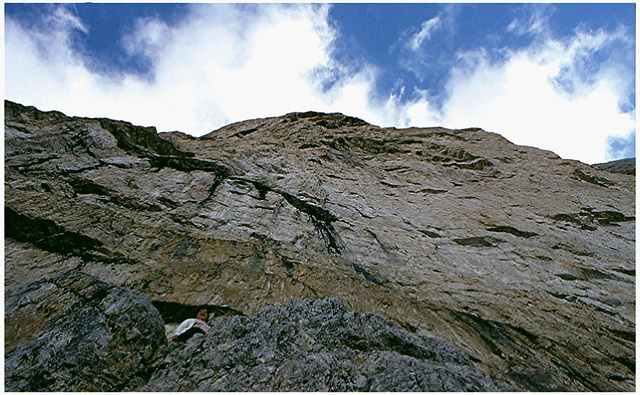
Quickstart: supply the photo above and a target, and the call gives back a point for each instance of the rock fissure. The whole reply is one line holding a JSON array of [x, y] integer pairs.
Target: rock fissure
[[46, 234]]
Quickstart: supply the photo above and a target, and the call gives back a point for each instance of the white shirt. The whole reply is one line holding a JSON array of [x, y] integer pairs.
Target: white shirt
[[190, 323]]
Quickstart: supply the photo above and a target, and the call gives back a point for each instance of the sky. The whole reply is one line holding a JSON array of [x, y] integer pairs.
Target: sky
[[560, 77]]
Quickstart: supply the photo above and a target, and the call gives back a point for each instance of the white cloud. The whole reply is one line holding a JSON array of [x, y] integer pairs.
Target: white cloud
[[536, 20], [521, 99], [426, 29], [223, 63]]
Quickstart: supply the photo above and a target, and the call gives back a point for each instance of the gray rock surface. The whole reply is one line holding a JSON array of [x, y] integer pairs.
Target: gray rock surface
[[315, 346], [519, 259], [625, 166], [76, 333]]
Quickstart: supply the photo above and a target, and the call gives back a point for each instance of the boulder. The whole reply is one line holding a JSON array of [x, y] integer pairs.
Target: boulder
[[74, 332]]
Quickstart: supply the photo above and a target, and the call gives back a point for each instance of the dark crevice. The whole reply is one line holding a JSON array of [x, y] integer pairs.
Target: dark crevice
[[140, 140], [188, 164], [246, 132], [219, 171], [289, 265], [172, 312], [567, 277], [375, 237], [479, 164], [629, 363], [593, 274], [429, 233], [572, 249], [628, 272], [319, 213], [478, 241], [320, 218], [345, 121], [512, 230], [608, 217], [329, 233], [433, 191], [212, 189], [600, 181], [624, 335], [587, 218], [366, 274], [84, 186], [562, 296], [308, 145], [46, 234], [370, 145]]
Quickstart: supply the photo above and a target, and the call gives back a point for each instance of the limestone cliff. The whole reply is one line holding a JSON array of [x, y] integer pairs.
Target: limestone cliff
[[516, 261]]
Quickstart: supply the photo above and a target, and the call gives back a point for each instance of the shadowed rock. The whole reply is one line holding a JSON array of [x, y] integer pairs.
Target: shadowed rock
[[315, 346], [76, 333]]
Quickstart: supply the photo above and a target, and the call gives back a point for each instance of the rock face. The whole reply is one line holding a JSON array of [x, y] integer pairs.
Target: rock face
[[314, 346], [74, 332], [521, 261], [625, 166]]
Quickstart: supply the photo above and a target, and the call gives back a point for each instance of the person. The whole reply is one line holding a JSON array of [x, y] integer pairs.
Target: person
[[191, 326]]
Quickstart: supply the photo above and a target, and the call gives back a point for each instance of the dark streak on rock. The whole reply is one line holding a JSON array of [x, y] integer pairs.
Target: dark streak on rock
[[429, 233], [366, 274], [600, 181], [625, 335], [628, 272], [85, 186], [143, 141], [321, 218], [512, 230], [433, 191], [49, 236], [46, 234], [246, 132], [478, 241], [587, 218]]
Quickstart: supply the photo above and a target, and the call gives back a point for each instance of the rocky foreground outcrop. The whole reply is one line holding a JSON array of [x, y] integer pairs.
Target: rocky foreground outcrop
[[520, 263], [74, 332], [315, 346]]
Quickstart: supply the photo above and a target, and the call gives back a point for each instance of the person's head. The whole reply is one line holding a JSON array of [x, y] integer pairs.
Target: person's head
[[203, 314]]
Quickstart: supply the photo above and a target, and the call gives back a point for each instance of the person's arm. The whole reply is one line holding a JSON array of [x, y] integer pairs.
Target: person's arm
[[186, 324]]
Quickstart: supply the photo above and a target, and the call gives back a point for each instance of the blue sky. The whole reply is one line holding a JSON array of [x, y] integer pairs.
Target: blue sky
[[556, 76]]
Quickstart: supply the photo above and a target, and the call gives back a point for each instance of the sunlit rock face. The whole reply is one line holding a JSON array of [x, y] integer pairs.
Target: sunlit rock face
[[520, 262]]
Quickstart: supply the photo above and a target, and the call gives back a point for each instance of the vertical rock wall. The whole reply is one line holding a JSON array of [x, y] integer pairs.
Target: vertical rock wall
[[520, 260]]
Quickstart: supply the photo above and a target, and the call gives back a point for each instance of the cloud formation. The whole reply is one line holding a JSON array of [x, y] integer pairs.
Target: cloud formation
[[550, 94], [426, 29], [223, 63]]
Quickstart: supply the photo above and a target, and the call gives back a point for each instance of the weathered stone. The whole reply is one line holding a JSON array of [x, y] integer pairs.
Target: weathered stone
[[520, 260], [76, 333], [625, 166], [315, 346]]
